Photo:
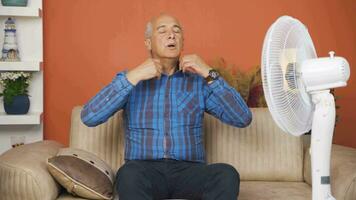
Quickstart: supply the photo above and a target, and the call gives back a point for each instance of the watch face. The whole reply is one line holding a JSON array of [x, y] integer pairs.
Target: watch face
[[214, 74]]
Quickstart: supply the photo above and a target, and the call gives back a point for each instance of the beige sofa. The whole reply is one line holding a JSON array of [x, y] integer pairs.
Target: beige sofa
[[272, 164]]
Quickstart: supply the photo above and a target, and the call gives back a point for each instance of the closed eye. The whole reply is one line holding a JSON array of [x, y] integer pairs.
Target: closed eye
[[176, 30]]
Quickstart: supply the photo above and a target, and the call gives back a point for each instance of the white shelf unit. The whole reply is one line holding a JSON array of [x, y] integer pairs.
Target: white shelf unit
[[29, 119], [21, 66], [20, 11], [29, 25]]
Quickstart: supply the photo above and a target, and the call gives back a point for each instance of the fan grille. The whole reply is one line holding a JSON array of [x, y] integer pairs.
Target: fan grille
[[286, 45]]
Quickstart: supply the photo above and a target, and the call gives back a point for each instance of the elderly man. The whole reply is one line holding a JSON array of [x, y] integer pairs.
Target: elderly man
[[164, 100]]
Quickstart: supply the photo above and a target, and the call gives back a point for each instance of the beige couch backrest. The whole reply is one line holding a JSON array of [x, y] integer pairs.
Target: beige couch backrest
[[260, 152]]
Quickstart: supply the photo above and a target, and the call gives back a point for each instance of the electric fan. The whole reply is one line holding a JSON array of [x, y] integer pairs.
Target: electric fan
[[296, 86]]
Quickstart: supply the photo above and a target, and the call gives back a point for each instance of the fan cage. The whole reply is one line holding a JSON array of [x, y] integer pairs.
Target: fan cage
[[286, 45]]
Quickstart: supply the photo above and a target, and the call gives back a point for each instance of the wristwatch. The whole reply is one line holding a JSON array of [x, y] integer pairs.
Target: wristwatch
[[213, 75]]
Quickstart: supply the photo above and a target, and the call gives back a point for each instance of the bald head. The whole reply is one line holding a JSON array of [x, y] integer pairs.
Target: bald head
[[153, 22]]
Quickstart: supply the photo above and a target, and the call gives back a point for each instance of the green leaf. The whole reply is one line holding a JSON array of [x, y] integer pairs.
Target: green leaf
[[14, 88]]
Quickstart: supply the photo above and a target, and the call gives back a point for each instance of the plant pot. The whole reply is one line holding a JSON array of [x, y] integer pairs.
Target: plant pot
[[19, 106], [14, 2]]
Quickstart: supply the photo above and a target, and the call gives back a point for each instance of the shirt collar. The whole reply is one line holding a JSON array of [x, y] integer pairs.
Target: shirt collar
[[177, 72]]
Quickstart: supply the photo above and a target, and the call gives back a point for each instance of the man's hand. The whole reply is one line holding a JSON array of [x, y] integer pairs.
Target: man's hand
[[193, 63], [149, 69]]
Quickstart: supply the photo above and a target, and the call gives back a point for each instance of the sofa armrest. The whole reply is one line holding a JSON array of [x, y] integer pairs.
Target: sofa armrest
[[24, 174], [307, 161], [343, 172]]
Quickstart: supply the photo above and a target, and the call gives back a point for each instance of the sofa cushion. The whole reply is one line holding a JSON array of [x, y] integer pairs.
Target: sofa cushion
[[260, 152], [262, 190], [24, 174], [67, 196], [82, 173], [258, 190], [105, 140]]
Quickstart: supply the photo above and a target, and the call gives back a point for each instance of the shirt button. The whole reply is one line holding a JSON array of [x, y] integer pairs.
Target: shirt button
[[166, 115], [107, 99]]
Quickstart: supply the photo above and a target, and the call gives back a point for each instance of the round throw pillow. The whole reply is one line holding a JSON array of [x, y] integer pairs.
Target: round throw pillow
[[82, 173]]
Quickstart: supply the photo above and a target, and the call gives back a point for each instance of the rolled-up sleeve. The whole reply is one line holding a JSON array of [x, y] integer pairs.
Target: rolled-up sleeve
[[226, 104], [107, 101]]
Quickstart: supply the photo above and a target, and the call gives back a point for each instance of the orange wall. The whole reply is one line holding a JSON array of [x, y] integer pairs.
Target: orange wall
[[86, 43]]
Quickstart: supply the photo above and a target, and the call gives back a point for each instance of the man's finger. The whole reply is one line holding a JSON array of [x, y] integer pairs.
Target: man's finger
[[184, 67], [159, 71], [156, 60], [189, 69], [157, 63], [180, 63], [158, 67], [187, 58], [158, 75], [187, 65]]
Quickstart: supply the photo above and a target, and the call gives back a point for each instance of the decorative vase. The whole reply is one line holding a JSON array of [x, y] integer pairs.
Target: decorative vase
[[14, 2], [19, 106]]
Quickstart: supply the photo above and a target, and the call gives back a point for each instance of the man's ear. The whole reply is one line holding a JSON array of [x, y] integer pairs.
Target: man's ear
[[148, 44]]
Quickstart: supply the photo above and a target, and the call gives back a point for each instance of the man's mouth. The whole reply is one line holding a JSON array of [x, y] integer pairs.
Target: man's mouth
[[171, 46]]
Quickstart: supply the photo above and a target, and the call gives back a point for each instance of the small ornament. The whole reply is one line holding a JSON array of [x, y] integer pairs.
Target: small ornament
[[10, 51]]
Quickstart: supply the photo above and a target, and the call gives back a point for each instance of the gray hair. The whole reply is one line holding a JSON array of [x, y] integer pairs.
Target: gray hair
[[149, 30]]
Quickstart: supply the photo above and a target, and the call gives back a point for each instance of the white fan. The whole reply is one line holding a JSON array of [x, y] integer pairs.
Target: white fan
[[296, 86]]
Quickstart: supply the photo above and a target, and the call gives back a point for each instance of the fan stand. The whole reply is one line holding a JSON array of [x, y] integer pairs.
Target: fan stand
[[321, 142]]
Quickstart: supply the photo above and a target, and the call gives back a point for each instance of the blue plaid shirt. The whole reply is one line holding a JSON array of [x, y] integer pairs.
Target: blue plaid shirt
[[164, 117]]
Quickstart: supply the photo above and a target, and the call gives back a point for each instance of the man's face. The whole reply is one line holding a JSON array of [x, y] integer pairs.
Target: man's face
[[167, 38]]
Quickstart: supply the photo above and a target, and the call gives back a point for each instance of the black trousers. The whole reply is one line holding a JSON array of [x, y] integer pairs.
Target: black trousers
[[166, 178]]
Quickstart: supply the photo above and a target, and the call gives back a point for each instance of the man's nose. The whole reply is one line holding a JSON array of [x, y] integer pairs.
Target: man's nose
[[171, 35]]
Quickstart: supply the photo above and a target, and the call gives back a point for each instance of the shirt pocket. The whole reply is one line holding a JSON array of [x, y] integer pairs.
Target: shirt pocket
[[187, 103]]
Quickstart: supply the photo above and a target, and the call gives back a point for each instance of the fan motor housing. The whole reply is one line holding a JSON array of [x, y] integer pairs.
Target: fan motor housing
[[325, 73]]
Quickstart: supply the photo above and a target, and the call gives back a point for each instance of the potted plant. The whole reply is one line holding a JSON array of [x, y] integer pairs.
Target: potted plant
[[248, 84], [15, 93]]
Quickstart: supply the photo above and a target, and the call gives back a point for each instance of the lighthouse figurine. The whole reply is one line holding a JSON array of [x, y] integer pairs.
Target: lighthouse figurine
[[10, 51]]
